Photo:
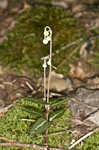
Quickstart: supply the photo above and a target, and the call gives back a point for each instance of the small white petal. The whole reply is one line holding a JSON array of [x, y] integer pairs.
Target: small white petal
[[49, 62], [48, 38], [45, 41], [44, 65], [46, 33]]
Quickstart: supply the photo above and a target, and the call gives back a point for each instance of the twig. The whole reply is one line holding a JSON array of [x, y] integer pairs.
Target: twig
[[29, 86], [63, 62], [65, 47], [51, 134], [5, 108], [73, 52], [30, 120], [72, 44], [23, 145], [6, 139], [35, 146], [81, 139]]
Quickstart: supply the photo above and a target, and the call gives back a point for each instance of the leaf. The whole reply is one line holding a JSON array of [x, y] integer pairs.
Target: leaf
[[36, 101], [58, 103], [40, 126], [56, 114], [33, 110]]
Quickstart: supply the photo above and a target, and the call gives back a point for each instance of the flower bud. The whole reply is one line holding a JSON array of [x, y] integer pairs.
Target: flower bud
[[44, 65], [46, 33], [49, 62], [45, 41], [48, 38]]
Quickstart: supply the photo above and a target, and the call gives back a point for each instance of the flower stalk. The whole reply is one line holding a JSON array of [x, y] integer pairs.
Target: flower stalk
[[47, 38], [44, 66]]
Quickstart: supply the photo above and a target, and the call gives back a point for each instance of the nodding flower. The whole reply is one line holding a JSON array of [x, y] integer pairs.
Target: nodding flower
[[44, 64], [47, 35]]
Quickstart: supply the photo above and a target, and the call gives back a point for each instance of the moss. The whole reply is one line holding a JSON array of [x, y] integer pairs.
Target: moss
[[24, 47]]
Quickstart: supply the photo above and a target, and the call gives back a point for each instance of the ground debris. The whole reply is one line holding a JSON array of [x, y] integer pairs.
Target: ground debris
[[13, 87]]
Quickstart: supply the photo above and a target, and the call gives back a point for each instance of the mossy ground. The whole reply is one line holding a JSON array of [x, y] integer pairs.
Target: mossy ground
[[22, 52]]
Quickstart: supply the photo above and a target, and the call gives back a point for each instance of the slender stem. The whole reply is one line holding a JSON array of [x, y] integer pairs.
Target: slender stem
[[48, 33], [48, 91], [50, 69], [46, 138], [47, 117], [44, 80]]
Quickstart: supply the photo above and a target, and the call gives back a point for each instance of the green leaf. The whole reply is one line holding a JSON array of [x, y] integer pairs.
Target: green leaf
[[58, 103], [36, 101], [40, 126], [33, 111], [56, 114]]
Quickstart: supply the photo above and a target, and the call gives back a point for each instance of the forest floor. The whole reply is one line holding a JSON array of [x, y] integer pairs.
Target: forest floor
[[21, 53]]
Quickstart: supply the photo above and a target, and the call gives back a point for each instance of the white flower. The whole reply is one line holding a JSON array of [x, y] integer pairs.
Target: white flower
[[49, 62], [44, 65], [46, 33], [48, 38], [45, 41]]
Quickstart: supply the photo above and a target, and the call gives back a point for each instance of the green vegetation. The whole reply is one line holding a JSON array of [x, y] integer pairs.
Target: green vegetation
[[13, 127], [24, 47], [22, 51]]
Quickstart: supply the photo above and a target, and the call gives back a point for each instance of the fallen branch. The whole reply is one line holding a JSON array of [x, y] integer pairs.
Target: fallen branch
[[5, 109], [81, 139], [64, 48], [51, 134], [30, 120], [72, 44], [2, 110], [6, 139], [71, 54], [23, 145], [37, 147]]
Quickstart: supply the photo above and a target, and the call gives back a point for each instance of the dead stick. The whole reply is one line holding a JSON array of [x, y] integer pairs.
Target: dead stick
[[30, 120], [63, 62], [6, 108], [37, 147], [72, 44], [65, 47], [81, 139], [6, 139], [23, 145], [51, 134]]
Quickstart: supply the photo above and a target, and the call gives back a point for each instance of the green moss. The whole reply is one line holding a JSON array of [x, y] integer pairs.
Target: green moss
[[24, 47], [13, 127]]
